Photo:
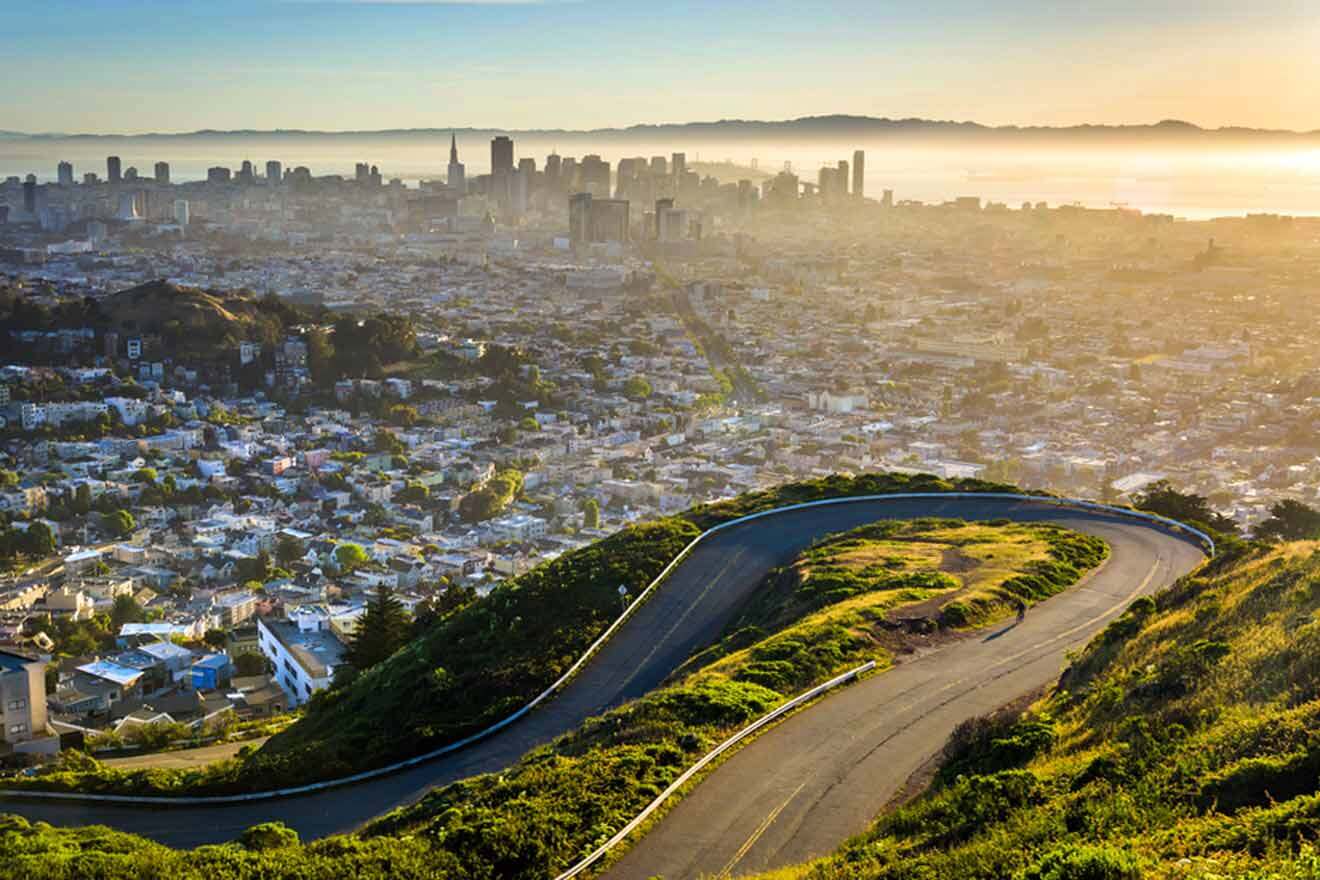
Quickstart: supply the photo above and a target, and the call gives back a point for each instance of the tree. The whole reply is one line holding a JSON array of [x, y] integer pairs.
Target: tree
[[637, 388], [288, 550], [118, 523], [8, 479], [39, 540], [403, 415], [126, 610], [591, 514], [1290, 521], [145, 475], [1161, 498], [249, 664], [413, 493], [381, 630], [349, 557], [215, 638]]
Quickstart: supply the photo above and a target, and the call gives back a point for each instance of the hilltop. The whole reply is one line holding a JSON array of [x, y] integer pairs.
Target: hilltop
[[1182, 743]]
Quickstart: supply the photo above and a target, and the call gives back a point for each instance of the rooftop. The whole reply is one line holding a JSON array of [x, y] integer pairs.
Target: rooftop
[[316, 651]]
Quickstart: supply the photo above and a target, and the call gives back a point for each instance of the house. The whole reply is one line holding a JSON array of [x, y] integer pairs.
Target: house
[[210, 672], [304, 658], [257, 696], [23, 705]]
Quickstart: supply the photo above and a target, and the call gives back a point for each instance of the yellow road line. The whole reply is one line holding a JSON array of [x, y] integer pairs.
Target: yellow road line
[[756, 835]]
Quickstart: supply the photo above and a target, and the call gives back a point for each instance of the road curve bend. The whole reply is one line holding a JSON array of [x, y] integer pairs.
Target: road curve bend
[[689, 611], [800, 790]]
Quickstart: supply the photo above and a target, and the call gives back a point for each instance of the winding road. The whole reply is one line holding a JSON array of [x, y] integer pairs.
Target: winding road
[[803, 787]]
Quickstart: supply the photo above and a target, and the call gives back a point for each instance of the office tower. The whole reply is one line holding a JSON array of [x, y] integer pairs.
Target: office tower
[[596, 176], [373, 177], [664, 211], [859, 174], [609, 220], [30, 195], [659, 167], [89, 179], [520, 184], [112, 169], [841, 179], [361, 171], [130, 173], [217, 174], [568, 174], [678, 163], [825, 182], [457, 176], [274, 172], [501, 154], [553, 169], [128, 206], [162, 172], [579, 218], [887, 200], [65, 173], [181, 212], [246, 173], [527, 166]]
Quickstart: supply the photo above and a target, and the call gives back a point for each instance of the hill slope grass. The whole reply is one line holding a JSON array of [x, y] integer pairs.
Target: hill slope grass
[[1184, 742], [536, 817], [474, 667]]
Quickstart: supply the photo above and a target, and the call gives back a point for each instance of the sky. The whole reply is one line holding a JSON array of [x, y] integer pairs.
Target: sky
[[123, 66]]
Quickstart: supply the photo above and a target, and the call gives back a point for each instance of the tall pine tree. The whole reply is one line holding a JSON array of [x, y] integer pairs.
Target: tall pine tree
[[380, 632]]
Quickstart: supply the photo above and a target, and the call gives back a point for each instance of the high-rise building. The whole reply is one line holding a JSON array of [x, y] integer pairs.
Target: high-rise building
[[659, 167], [859, 174], [246, 173], [113, 169], [130, 173], [30, 195], [65, 173], [361, 171], [596, 176], [457, 176], [553, 167], [609, 220], [217, 174], [841, 180], [181, 212], [579, 218], [678, 164], [887, 200], [501, 154], [162, 172], [274, 173], [89, 178]]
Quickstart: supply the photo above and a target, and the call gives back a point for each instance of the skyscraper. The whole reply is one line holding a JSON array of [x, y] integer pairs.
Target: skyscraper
[[678, 165], [113, 169], [841, 181], [162, 172], [274, 173], [361, 172], [553, 166], [596, 176], [501, 154], [66, 173], [457, 176], [859, 174]]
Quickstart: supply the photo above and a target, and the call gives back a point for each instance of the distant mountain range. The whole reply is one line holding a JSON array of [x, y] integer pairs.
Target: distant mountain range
[[809, 127]]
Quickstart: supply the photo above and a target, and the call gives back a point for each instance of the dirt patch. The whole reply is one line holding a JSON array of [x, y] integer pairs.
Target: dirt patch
[[954, 561]]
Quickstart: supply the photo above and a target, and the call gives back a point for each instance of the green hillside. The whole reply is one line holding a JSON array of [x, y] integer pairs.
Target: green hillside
[[824, 614], [1184, 742]]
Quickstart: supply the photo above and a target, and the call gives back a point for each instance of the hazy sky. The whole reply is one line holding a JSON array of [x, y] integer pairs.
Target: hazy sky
[[179, 65]]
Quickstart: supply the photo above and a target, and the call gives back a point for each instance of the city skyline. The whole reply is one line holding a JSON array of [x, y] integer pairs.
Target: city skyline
[[519, 65]]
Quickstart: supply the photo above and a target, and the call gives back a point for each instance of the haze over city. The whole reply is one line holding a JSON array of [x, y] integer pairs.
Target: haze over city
[[577, 440]]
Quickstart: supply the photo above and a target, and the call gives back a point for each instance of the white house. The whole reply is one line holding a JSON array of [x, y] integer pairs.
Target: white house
[[305, 660]]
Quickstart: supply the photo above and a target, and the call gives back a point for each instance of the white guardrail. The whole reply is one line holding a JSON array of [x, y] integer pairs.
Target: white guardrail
[[686, 776], [163, 800]]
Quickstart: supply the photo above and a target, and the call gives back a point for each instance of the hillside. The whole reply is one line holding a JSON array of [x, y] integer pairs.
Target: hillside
[[195, 320], [1183, 743], [833, 609]]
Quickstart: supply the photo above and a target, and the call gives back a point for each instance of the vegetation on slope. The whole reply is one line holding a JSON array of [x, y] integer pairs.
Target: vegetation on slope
[[1182, 743], [559, 801]]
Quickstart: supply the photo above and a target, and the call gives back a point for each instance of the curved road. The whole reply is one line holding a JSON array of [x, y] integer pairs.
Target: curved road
[[688, 612], [803, 788]]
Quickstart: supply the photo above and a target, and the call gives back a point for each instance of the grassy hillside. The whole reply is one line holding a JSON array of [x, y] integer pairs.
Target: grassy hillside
[[437, 689], [1183, 743], [825, 614]]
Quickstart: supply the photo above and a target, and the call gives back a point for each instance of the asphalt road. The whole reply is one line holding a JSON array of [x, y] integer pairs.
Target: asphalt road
[[685, 614], [802, 789]]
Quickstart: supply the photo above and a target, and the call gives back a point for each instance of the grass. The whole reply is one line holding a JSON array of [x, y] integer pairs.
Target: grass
[[558, 802], [1183, 742]]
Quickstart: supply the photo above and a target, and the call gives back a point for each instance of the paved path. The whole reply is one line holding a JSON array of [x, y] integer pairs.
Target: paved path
[[809, 784], [184, 759], [686, 613]]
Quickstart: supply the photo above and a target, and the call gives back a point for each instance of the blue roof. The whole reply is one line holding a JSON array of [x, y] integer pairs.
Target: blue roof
[[212, 661]]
